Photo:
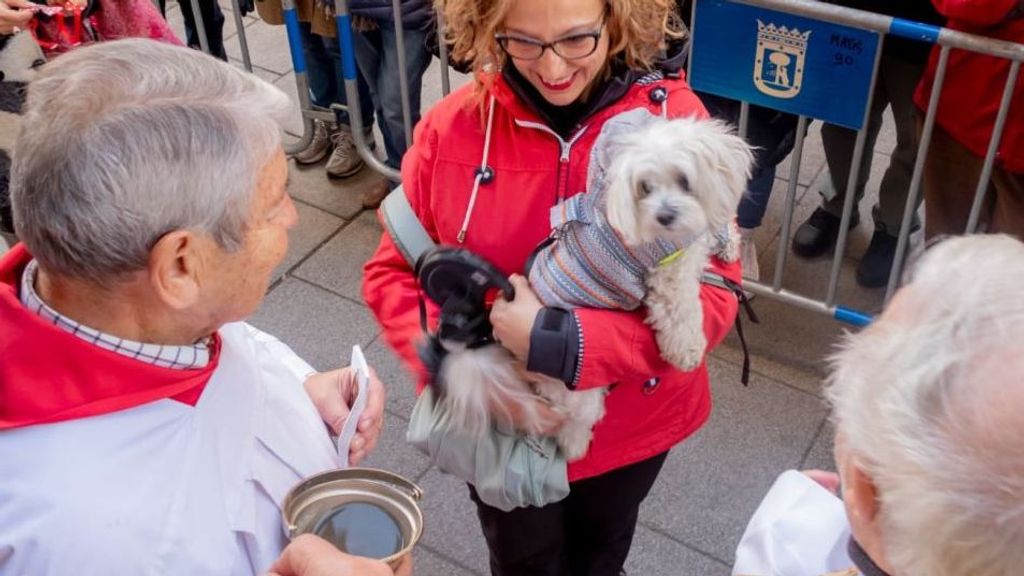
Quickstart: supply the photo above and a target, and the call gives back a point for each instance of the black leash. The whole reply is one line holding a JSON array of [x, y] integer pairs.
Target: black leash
[[741, 296]]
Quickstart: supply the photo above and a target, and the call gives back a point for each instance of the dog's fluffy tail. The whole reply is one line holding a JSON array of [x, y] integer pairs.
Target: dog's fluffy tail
[[483, 385]]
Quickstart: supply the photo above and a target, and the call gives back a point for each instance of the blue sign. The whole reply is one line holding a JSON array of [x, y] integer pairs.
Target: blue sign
[[782, 61]]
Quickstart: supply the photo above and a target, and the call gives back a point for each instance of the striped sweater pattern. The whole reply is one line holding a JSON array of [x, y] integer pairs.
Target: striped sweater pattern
[[588, 265]]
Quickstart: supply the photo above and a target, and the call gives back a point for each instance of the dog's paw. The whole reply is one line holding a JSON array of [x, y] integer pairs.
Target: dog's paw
[[683, 351], [728, 248], [574, 440]]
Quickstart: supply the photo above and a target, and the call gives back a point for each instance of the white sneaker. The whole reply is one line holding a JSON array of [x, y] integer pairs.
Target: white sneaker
[[748, 255], [345, 160], [319, 147]]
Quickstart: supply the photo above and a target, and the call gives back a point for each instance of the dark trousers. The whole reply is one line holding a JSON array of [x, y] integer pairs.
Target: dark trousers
[[213, 24], [586, 534]]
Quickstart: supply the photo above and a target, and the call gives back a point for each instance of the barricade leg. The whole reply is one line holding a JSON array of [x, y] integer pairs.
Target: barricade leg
[[291, 21], [348, 64], [243, 43]]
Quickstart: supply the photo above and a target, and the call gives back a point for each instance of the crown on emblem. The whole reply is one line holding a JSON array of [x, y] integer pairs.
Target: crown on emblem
[[782, 35]]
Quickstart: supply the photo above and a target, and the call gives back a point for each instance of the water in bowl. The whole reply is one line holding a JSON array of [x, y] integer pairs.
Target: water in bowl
[[362, 529]]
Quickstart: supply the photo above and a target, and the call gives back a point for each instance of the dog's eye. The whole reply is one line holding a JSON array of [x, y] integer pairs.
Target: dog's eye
[[644, 190], [683, 182]]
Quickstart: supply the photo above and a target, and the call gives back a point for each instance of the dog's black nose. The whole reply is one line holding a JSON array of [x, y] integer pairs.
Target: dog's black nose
[[666, 217]]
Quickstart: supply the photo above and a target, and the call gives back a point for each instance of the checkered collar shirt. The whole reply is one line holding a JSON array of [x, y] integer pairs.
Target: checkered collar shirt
[[177, 357]]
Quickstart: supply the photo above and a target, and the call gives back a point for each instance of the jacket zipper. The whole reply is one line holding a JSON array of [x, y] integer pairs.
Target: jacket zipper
[[564, 148]]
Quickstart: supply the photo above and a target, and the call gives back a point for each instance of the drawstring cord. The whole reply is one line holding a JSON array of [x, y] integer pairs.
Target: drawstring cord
[[481, 174]]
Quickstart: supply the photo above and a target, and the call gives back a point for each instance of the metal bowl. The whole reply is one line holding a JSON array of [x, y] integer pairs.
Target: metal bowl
[[319, 496]]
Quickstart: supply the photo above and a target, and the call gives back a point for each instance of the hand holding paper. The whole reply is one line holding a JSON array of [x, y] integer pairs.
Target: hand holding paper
[[352, 409]]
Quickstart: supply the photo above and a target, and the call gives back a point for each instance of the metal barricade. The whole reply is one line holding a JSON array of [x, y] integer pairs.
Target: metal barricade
[[353, 106], [813, 11], [349, 74], [880, 26]]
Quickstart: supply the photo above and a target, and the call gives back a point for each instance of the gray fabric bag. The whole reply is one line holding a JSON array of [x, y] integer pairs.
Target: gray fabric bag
[[508, 469]]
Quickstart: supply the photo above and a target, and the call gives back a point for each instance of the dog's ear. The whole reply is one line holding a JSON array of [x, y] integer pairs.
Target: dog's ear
[[727, 162], [621, 199]]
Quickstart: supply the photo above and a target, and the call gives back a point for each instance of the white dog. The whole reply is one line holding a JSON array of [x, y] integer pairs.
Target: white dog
[[662, 195]]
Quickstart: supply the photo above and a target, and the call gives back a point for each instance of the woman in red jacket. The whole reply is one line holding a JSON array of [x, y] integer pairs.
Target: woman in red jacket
[[968, 106], [550, 73]]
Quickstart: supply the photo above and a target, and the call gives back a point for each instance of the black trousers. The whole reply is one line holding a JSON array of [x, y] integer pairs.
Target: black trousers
[[586, 534], [213, 24]]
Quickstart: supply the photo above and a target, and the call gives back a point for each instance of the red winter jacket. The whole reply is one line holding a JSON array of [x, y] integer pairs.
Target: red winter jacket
[[533, 170], [974, 82]]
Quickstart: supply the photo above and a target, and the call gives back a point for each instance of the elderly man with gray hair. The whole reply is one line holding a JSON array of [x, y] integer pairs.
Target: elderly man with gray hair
[[929, 434], [144, 429]]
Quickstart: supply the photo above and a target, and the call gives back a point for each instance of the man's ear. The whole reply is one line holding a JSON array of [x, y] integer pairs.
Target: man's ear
[[864, 511], [175, 267], [860, 494]]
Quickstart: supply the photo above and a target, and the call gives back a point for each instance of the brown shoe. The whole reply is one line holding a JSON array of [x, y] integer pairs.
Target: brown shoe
[[375, 194]]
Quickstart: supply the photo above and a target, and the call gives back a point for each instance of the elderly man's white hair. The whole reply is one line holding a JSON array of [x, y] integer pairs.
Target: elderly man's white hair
[[122, 142], [929, 400]]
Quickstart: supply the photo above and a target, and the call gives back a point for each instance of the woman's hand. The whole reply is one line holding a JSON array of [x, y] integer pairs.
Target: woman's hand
[[513, 321], [333, 394], [14, 15]]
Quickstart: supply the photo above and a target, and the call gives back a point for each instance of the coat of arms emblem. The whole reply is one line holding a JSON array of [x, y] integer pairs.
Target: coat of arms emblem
[[779, 63]]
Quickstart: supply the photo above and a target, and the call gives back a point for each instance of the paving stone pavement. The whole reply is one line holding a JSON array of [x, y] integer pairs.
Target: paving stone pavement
[[710, 485]]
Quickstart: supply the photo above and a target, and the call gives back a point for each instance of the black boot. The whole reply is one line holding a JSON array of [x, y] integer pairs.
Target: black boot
[[818, 234], [873, 270]]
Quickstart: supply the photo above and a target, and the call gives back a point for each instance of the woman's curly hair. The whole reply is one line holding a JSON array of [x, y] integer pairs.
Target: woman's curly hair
[[638, 30]]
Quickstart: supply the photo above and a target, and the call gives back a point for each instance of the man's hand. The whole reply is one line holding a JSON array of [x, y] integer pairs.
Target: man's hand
[[333, 394], [513, 321], [827, 480], [309, 555], [14, 16]]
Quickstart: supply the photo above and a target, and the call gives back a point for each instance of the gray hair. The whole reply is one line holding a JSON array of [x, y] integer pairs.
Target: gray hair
[[930, 402], [122, 142]]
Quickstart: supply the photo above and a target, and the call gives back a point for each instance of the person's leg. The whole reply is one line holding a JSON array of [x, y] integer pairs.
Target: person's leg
[[524, 540], [900, 80], [345, 160], [213, 19], [333, 51], [754, 203], [213, 23], [389, 94], [601, 515], [1008, 213], [817, 235], [749, 216], [951, 175], [319, 67], [322, 90], [369, 59]]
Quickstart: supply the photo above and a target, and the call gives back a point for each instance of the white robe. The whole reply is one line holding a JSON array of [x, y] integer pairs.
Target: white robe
[[167, 488], [799, 529]]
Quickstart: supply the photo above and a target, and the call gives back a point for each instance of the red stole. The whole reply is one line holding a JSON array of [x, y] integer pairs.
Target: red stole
[[50, 375]]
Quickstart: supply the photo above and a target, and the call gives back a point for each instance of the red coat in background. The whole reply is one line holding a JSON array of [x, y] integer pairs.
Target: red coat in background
[[974, 82], [533, 170]]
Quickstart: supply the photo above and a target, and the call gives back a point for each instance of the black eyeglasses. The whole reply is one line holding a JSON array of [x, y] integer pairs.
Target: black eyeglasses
[[572, 47]]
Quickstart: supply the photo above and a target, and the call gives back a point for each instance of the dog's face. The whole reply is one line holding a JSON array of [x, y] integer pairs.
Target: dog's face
[[676, 179]]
